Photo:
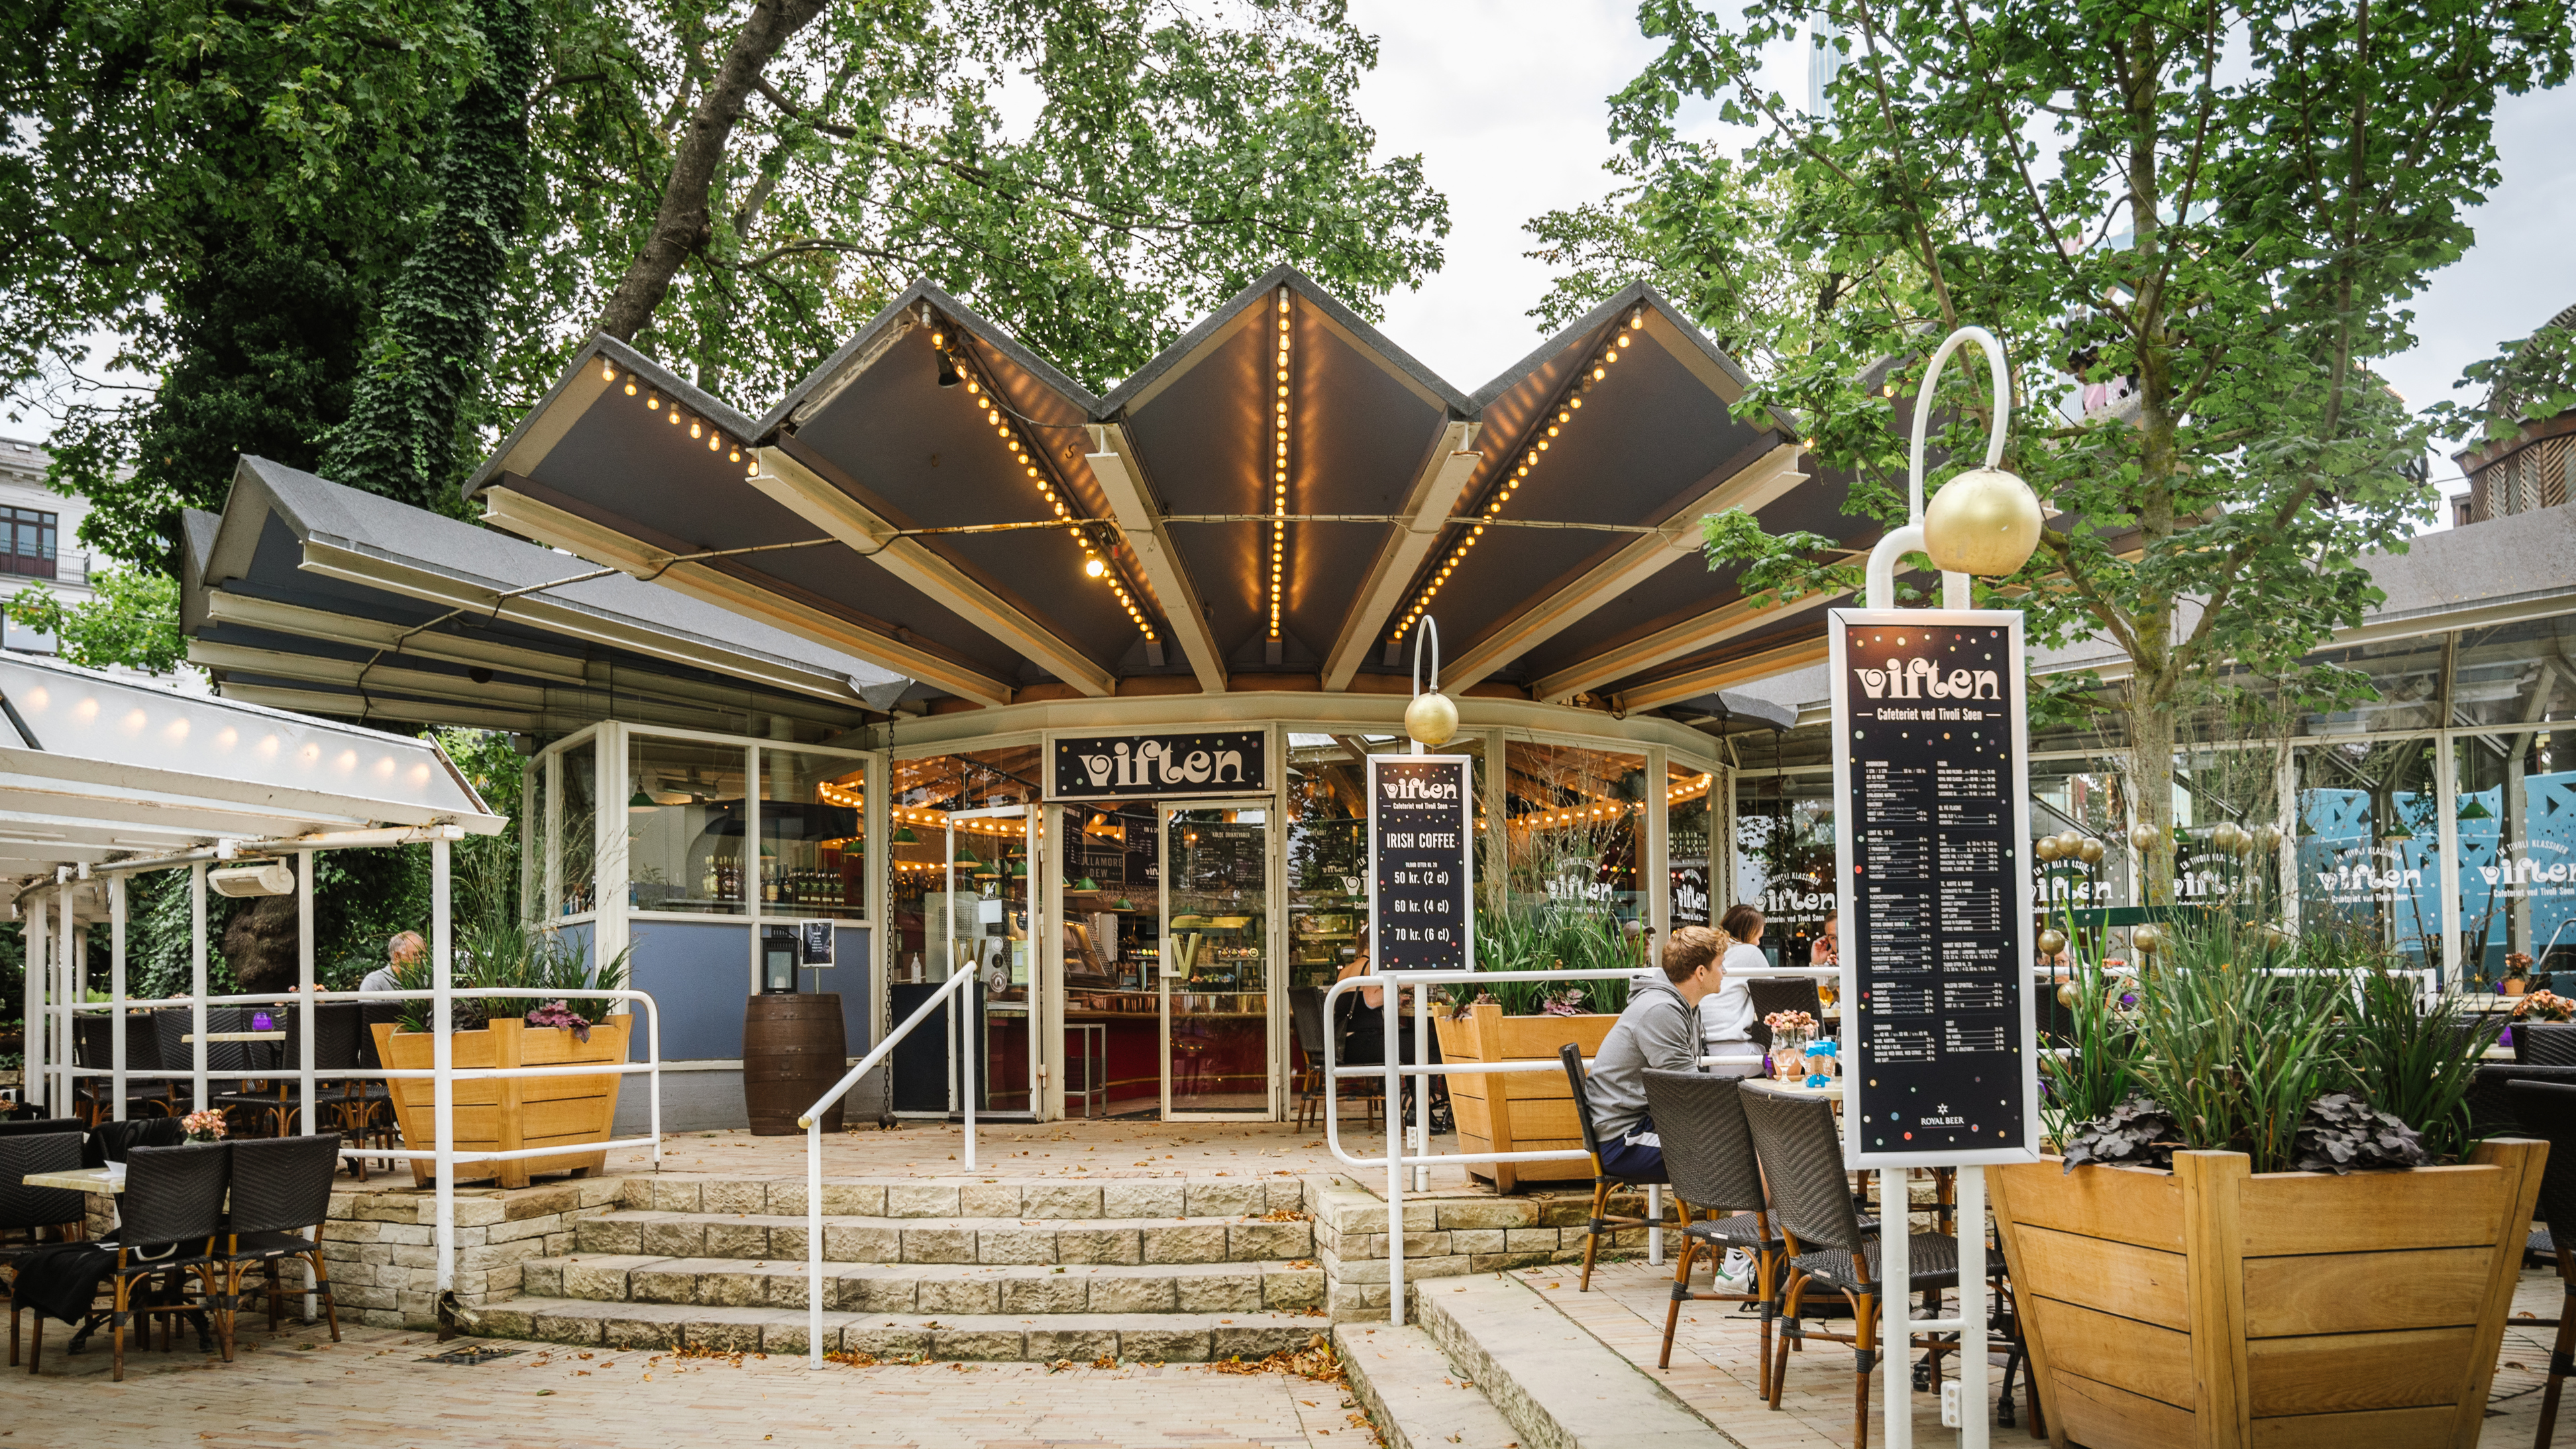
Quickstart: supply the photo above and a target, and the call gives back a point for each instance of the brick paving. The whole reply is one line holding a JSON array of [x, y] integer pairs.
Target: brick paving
[[300, 1389], [1717, 1359]]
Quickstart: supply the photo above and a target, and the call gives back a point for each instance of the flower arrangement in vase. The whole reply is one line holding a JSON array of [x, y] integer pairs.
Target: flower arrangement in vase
[[2545, 1006], [206, 1126], [1790, 1033]]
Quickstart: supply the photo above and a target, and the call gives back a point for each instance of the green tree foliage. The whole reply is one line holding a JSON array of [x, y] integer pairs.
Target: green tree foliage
[[2224, 208], [132, 619]]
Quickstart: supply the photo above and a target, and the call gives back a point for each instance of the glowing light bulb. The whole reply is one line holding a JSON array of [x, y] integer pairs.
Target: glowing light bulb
[[607, 370], [1094, 567]]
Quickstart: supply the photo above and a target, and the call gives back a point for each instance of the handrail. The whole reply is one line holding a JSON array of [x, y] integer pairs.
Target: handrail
[[812, 1122]]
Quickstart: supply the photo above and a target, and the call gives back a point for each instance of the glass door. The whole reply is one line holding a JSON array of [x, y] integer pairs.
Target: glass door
[[991, 928], [1216, 979]]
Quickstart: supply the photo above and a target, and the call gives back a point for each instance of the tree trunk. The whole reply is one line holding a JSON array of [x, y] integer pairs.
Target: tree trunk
[[2151, 752], [259, 944], [400, 439], [683, 224]]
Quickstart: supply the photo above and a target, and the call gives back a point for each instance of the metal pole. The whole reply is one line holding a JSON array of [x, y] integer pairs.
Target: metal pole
[[305, 1008], [1388, 994], [970, 1069], [31, 1081], [1895, 1278], [1655, 1223], [68, 958], [442, 1060], [116, 987], [1974, 1420], [197, 981], [1422, 1087], [813, 1240]]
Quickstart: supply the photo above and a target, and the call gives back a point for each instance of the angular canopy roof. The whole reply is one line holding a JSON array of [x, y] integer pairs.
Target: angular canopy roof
[[310, 596], [1270, 503]]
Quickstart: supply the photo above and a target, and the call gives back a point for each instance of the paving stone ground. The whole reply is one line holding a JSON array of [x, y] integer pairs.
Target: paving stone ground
[[373, 1389], [1717, 1357]]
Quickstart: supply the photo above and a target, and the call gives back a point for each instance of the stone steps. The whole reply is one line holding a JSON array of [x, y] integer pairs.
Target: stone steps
[[1555, 1384], [972, 1197], [933, 1288], [1083, 1338], [968, 1239], [1417, 1399]]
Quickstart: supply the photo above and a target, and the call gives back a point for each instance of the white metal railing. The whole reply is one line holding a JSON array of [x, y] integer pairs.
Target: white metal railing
[[812, 1122], [64, 977]]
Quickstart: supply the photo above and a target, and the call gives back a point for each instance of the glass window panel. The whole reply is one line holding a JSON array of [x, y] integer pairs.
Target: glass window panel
[[2407, 673], [684, 825], [2368, 831], [2507, 675], [2240, 787], [813, 854], [578, 872], [2517, 824], [1784, 861], [1328, 844], [2089, 797], [924, 791], [1576, 837], [1688, 841]]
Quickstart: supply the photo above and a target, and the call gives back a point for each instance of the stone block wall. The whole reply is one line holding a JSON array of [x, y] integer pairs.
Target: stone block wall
[[379, 1247], [1445, 1237]]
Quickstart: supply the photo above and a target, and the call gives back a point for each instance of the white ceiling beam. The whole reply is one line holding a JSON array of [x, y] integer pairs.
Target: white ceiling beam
[[1426, 511], [815, 499], [1676, 538], [1710, 678], [1113, 466], [304, 623], [557, 528], [1702, 631]]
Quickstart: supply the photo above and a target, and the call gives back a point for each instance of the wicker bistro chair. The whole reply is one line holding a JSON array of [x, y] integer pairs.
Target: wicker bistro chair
[[173, 1212], [2544, 1043], [1801, 1154], [1781, 993], [39, 1126], [2547, 1110], [94, 1046], [281, 1192], [1602, 1221], [27, 1212], [1306, 1017], [1708, 1154]]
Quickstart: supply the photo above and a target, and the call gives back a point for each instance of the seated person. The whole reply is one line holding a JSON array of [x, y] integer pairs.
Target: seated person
[[1360, 1017], [1726, 1016], [1659, 1029]]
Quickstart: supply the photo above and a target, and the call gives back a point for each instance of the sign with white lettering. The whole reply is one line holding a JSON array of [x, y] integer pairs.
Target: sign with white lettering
[[1213, 762], [1421, 843], [1933, 790], [814, 943]]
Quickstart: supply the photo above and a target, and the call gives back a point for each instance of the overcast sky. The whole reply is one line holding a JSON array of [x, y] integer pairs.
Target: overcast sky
[[1507, 102]]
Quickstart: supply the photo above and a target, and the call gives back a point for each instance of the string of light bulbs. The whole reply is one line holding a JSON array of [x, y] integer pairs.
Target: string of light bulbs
[[1569, 401], [1006, 424], [1279, 473], [698, 427]]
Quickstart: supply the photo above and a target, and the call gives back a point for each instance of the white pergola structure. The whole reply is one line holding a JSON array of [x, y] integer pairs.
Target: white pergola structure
[[101, 778]]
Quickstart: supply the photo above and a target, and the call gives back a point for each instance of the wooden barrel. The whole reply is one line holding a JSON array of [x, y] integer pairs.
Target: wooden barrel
[[793, 1050]]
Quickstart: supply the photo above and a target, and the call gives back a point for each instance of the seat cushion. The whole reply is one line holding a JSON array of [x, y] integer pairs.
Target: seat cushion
[[1935, 1263], [1740, 1231], [270, 1245]]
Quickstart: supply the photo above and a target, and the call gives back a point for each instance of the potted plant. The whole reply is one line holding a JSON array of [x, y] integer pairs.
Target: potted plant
[[1513, 1021], [509, 1115], [2271, 1222], [2517, 973]]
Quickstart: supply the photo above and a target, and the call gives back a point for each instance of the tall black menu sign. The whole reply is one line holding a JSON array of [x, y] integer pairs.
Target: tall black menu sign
[[1934, 809], [1421, 835]]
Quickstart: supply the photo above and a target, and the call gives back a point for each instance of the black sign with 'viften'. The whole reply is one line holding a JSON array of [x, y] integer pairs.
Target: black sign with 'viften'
[[1933, 815], [1421, 862]]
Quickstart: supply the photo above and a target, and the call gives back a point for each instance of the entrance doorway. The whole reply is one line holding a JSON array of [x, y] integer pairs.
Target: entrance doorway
[[977, 916], [1219, 974]]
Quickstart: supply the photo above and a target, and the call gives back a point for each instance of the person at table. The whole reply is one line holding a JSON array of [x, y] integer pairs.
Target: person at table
[[1659, 1029], [1826, 950], [1726, 1016], [1360, 1017], [400, 952]]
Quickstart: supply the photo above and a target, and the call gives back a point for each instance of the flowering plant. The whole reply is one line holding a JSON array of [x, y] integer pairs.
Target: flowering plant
[[559, 1013], [1797, 1021], [1573, 1001], [207, 1126], [2546, 1006]]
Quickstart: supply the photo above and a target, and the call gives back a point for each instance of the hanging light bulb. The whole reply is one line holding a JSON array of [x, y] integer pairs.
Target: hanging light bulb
[[947, 369], [1093, 566]]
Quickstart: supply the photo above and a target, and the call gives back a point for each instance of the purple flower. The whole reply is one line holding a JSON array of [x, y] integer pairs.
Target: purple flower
[[557, 1013]]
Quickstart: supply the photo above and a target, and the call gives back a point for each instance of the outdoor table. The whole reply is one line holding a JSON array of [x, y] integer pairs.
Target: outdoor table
[[107, 1180], [213, 1036]]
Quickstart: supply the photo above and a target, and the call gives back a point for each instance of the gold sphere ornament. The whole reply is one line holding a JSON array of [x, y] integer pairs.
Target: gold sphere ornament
[[2051, 941], [2090, 850], [2046, 848], [1984, 522], [2066, 994], [2145, 836], [2224, 837], [1432, 719], [2069, 845], [2267, 838], [2149, 938]]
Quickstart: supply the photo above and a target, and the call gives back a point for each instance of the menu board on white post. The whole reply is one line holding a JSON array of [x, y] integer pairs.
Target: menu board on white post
[[1932, 826], [1421, 843]]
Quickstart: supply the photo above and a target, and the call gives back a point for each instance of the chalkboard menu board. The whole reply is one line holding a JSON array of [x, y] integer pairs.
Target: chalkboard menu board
[[1421, 822], [1932, 785]]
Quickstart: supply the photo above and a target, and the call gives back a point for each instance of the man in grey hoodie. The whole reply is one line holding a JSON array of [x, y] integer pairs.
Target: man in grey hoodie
[[1659, 1029]]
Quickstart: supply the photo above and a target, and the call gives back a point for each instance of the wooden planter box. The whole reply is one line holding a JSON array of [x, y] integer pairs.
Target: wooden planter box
[[1517, 1111], [2215, 1306], [508, 1115]]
